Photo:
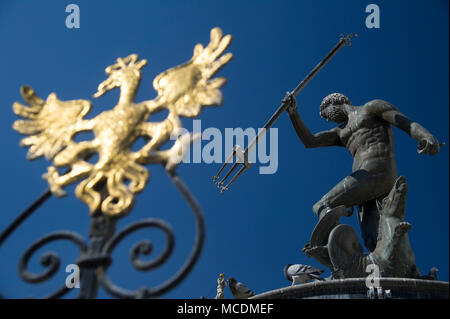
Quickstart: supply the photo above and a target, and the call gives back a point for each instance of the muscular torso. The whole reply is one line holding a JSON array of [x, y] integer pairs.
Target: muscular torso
[[370, 141]]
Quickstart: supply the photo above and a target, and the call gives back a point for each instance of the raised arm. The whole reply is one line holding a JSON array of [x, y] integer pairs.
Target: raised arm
[[321, 139], [386, 111]]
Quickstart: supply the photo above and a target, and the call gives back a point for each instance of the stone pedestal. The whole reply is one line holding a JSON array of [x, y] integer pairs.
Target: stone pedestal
[[355, 288]]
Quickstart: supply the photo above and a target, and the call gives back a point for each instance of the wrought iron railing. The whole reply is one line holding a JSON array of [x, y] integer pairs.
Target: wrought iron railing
[[95, 254]]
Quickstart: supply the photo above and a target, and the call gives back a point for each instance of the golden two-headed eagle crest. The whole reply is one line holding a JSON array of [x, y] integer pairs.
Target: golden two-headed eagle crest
[[109, 185]]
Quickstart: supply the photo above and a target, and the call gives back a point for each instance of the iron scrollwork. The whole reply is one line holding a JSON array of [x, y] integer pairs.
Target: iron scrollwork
[[95, 256], [145, 248]]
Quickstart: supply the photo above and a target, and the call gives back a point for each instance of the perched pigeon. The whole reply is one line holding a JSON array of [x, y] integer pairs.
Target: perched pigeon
[[432, 275], [239, 290], [301, 273]]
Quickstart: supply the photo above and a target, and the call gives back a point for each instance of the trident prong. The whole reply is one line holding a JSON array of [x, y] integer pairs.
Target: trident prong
[[347, 39], [239, 173], [241, 158], [227, 161]]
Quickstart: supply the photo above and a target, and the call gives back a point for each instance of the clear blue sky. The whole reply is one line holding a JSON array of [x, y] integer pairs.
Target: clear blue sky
[[264, 221]]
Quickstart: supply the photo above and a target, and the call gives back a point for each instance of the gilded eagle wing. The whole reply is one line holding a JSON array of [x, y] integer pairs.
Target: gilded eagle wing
[[50, 124], [186, 88]]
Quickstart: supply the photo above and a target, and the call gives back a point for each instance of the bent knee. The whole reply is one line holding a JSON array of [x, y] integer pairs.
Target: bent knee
[[320, 206]]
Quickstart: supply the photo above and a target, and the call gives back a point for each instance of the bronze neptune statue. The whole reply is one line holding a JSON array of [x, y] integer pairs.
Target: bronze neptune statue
[[373, 186]]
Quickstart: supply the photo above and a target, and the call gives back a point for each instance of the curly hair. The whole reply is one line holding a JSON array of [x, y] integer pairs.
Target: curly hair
[[335, 99]]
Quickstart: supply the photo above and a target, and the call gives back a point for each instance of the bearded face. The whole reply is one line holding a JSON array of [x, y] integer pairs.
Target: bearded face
[[334, 113]]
